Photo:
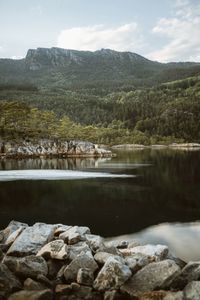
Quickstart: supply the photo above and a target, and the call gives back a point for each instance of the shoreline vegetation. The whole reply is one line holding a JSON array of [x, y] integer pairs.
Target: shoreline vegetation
[[56, 261]]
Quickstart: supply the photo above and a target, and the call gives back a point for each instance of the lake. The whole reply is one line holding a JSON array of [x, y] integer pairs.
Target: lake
[[161, 186]]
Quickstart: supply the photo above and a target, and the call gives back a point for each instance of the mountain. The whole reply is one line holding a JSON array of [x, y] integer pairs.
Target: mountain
[[51, 68]]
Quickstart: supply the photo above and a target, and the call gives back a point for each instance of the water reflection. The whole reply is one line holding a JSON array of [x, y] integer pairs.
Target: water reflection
[[165, 189], [54, 163], [183, 240]]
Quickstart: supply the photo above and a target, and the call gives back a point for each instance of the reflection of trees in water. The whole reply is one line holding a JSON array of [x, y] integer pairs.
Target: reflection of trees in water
[[54, 163]]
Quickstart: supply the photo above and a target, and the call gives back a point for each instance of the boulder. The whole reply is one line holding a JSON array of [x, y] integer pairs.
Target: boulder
[[28, 266], [83, 260], [102, 257], [85, 276], [137, 261], [190, 272], [8, 281], [94, 241], [13, 227], [156, 252], [30, 284], [56, 249], [77, 248], [32, 295], [156, 275], [113, 274], [192, 291], [74, 234], [32, 239]]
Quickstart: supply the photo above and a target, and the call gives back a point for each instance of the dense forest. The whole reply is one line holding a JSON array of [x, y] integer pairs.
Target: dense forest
[[165, 113]]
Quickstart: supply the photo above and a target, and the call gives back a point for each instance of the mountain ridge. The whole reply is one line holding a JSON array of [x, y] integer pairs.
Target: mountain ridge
[[61, 67]]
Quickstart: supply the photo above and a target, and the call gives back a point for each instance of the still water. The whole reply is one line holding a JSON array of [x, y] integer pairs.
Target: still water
[[121, 195]]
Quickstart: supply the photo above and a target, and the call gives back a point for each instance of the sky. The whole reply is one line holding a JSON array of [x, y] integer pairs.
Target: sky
[[161, 30]]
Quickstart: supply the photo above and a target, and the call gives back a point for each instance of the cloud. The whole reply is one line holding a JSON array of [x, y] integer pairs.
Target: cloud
[[182, 33], [122, 38], [1, 48]]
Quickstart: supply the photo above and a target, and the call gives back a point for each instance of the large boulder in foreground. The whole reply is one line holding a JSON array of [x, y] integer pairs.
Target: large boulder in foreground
[[32, 239], [156, 275]]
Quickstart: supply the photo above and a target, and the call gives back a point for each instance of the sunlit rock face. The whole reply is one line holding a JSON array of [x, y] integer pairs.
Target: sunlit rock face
[[47, 147]]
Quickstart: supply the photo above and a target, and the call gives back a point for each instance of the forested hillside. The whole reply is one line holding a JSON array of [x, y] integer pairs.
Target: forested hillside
[[103, 96], [165, 113]]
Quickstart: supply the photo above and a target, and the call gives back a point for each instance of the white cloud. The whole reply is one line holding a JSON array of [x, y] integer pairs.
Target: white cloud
[[182, 32], [1, 48], [122, 38]]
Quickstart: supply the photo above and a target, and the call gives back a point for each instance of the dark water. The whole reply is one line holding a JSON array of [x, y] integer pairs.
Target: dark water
[[166, 189]]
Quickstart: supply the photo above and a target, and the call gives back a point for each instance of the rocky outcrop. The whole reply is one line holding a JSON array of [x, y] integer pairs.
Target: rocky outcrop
[[51, 148], [68, 262]]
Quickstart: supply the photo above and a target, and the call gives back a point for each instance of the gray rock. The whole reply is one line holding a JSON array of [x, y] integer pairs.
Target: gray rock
[[102, 257], [56, 249], [156, 252], [11, 228], [32, 239], [32, 295], [117, 244], [76, 249], [85, 276], [190, 272], [137, 261], [44, 280], [61, 229], [12, 237], [156, 275], [30, 284], [8, 281], [192, 291], [94, 241], [74, 234], [84, 260], [113, 274], [29, 266]]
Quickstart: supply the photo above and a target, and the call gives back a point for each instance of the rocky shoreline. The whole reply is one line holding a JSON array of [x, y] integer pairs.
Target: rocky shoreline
[[46, 261], [51, 148], [176, 146]]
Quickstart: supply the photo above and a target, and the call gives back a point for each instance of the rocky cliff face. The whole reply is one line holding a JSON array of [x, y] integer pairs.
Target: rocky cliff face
[[49, 148]]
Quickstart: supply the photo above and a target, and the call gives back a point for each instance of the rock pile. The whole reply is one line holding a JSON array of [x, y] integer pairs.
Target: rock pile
[[68, 262], [51, 148]]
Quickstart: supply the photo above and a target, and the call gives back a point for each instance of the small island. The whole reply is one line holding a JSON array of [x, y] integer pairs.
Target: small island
[[51, 148]]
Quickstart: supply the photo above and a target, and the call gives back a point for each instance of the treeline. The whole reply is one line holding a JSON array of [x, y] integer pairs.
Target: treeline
[[165, 113]]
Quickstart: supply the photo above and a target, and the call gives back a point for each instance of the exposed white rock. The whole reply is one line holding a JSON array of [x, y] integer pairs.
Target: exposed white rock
[[56, 249], [156, 252]]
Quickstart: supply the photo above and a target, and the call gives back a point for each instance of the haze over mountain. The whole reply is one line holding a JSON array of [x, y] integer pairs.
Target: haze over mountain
[[57, 67]]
